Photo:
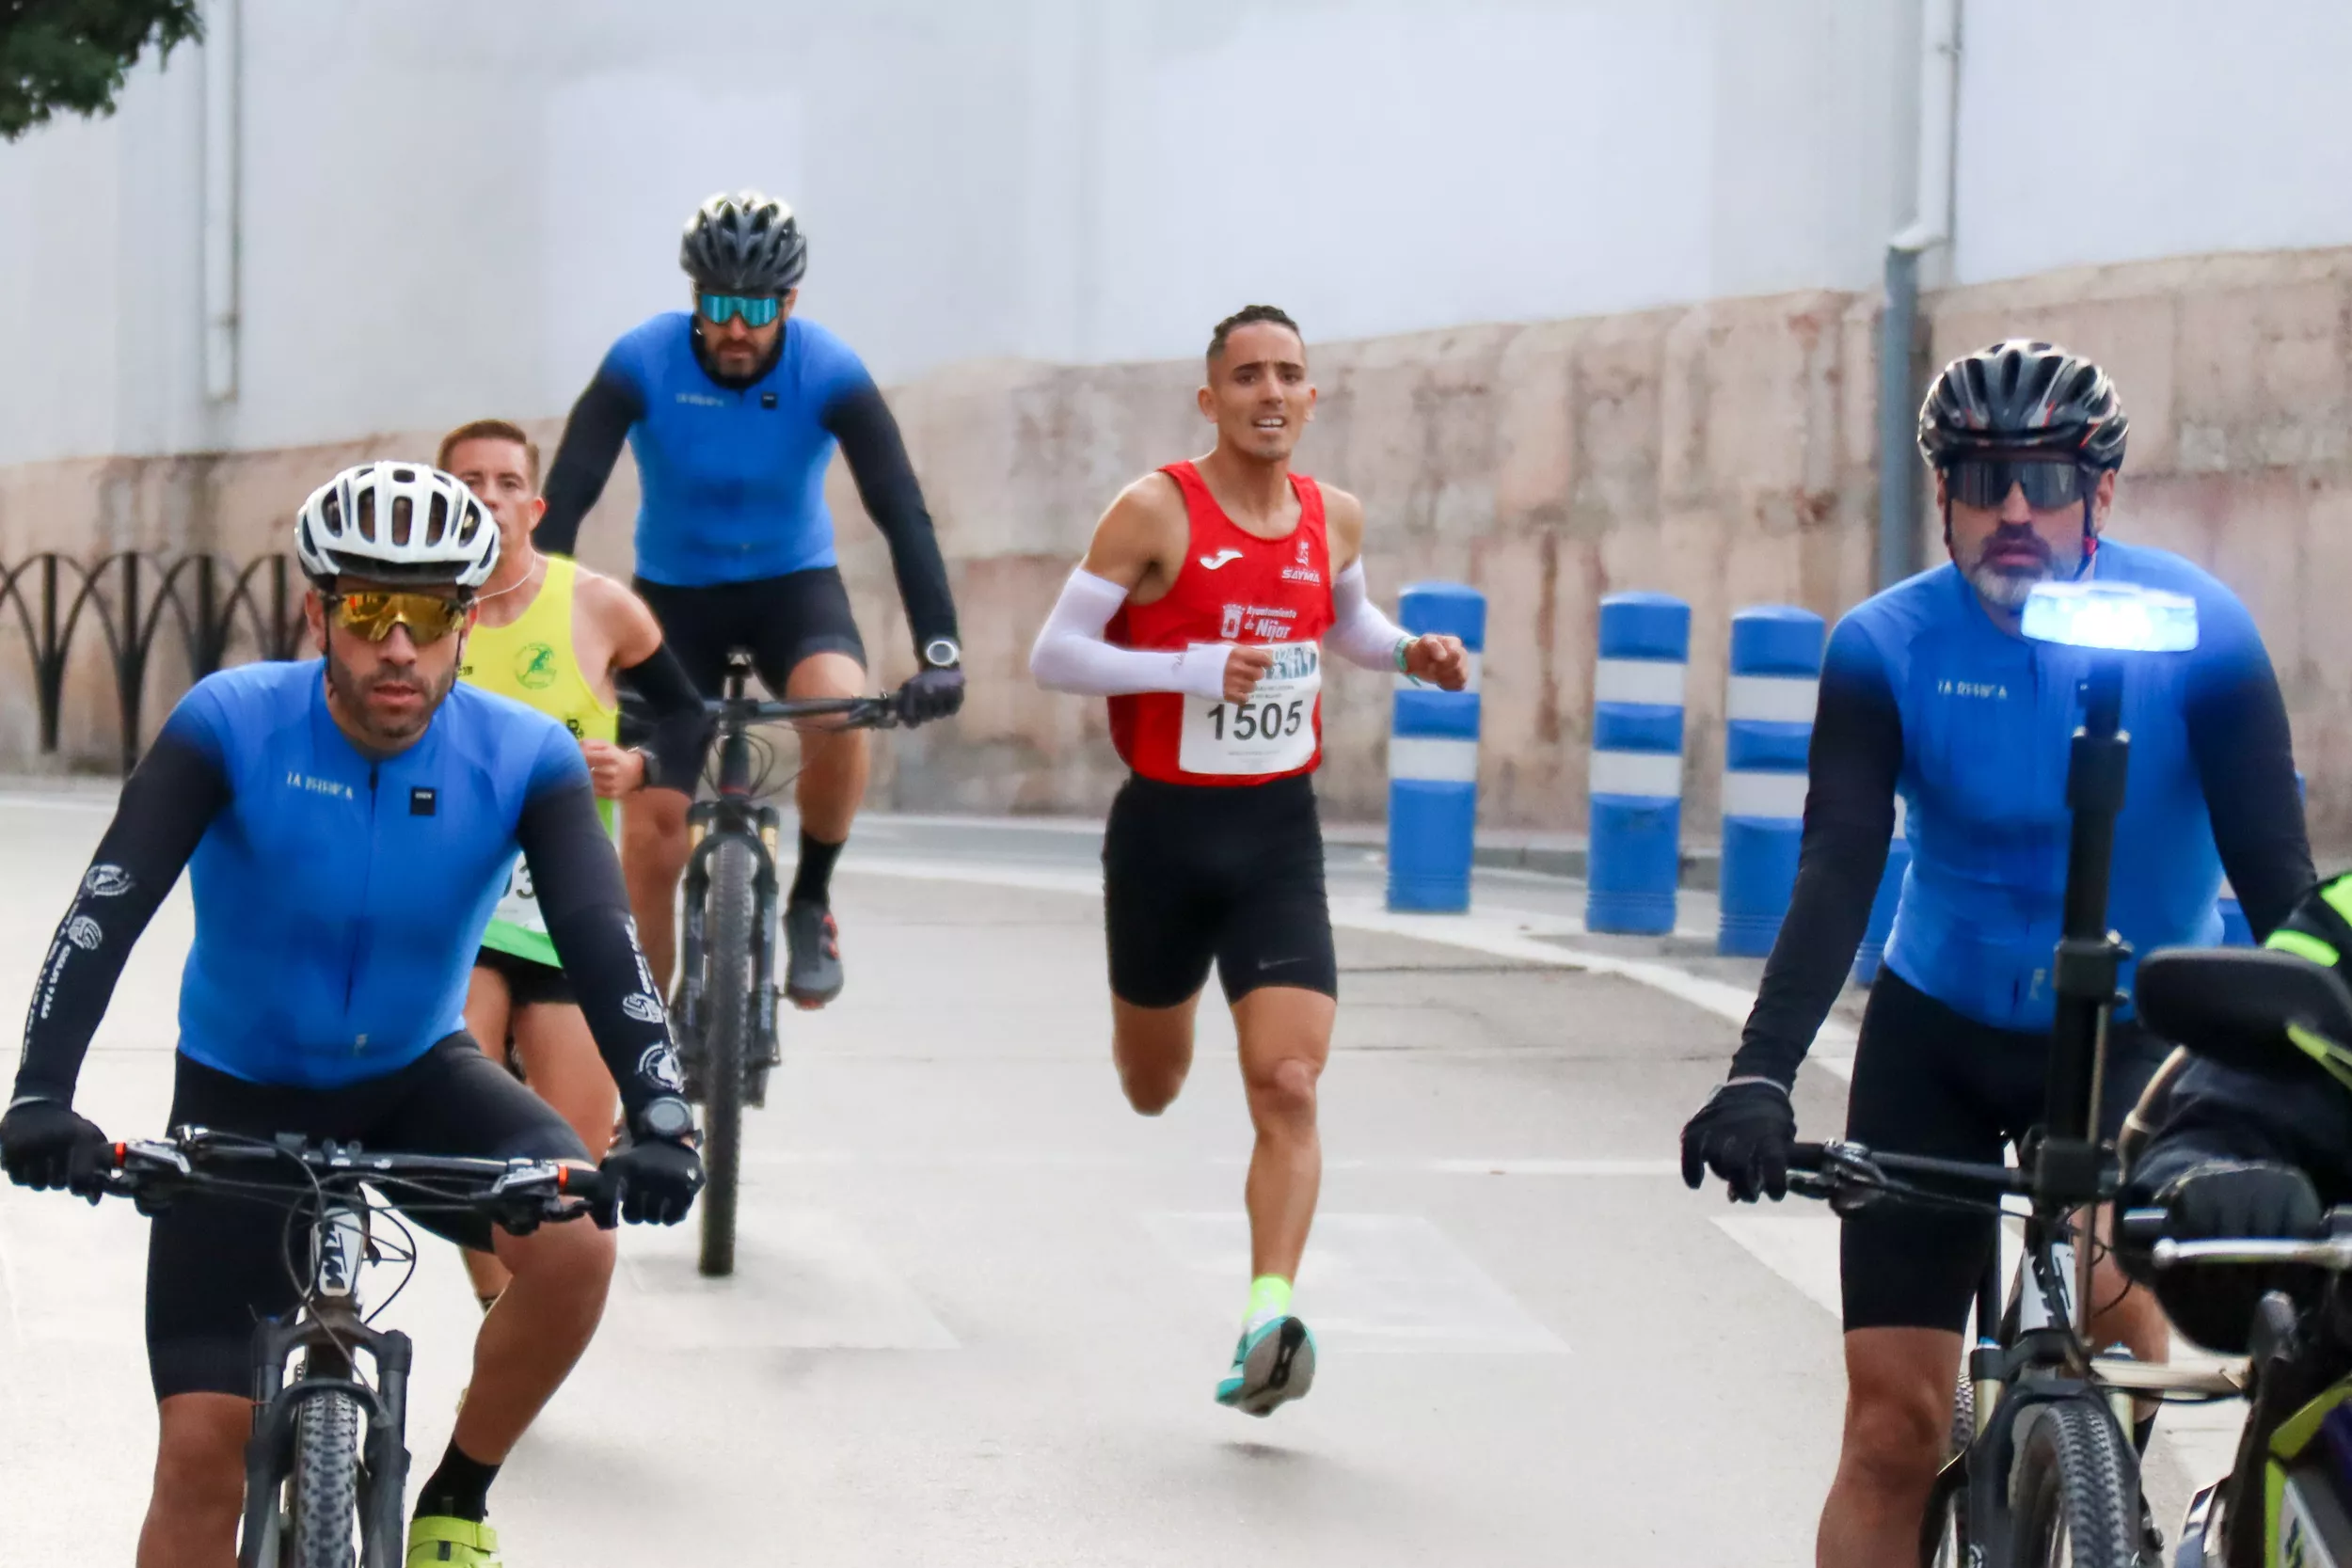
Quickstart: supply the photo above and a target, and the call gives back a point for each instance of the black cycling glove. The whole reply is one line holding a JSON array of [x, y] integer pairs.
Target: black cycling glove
[[653, 1182], [1744, 1133], [40, 1140], [2214, 1304], [935, 692]]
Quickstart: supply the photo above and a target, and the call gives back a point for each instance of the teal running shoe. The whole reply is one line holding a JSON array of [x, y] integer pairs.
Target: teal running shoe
[[1272, 1365]]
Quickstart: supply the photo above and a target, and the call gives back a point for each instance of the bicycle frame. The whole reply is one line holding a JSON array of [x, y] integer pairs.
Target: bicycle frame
[[734, 814], [326, 1329]]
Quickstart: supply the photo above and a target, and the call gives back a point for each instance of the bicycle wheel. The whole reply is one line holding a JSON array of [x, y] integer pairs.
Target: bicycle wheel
[[323, 1490], [726, 1034], [2073, 1497]]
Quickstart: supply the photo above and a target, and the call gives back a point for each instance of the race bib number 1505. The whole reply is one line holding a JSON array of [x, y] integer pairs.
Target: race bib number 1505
[[1274, 732]]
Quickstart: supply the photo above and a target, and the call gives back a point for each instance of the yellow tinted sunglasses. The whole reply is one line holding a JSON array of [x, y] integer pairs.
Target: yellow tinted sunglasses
[[373, 614]]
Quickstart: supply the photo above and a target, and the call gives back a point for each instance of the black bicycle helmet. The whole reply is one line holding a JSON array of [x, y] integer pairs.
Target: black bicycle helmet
[[2020, 395], [744, 244]]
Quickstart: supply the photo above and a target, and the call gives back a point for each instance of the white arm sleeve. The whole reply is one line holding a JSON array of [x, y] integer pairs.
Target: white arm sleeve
[[1071, 656], [1361, 632]]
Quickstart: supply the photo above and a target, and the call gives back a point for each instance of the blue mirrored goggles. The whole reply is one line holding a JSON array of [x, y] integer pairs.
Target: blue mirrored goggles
[[755, 310]]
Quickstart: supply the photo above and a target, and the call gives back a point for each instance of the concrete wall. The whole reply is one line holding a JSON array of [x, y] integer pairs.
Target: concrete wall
[[1720, 452]]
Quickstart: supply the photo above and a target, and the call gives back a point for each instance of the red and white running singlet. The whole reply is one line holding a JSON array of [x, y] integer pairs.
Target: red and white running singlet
[[1234, 587]]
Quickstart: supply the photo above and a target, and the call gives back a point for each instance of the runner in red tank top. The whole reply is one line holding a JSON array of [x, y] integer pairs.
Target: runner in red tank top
[[1203, 610], [1233, 587]]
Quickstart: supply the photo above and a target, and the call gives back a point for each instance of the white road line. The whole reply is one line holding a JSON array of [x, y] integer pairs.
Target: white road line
[[1800, 1248], [1513, 936]]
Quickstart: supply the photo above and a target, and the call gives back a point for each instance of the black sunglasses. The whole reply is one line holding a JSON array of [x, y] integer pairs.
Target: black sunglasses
[[1986, 482]]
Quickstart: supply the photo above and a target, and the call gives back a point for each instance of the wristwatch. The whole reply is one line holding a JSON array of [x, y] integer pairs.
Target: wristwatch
[[666, 1118], [941, 652]]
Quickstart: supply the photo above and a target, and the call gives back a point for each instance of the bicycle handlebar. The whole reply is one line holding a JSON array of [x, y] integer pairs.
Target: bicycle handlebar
[[868, 713], [1837, 1169], [2334, 1252], [522, 1190]]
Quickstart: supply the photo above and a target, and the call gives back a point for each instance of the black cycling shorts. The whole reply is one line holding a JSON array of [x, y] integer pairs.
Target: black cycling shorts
[[217, 1265], [779, 621], [1197, 874], [1929, 1081], [528, 982]]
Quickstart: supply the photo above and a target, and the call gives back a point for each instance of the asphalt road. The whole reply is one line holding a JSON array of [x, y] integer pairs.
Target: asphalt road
[[982, 1304]]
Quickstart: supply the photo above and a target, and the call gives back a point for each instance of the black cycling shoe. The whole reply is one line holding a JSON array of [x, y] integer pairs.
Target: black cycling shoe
[[813, 969]]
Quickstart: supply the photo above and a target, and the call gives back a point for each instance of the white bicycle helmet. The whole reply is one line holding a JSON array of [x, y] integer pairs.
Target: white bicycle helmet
[[396, 522]]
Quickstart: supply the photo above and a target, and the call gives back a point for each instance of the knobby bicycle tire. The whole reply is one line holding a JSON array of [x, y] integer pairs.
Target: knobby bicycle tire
[[323, 1492], [1944, 1526], [2073, 1497], [726, 1038]]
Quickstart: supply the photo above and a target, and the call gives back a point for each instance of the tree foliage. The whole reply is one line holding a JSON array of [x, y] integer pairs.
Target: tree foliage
[[74, 55]]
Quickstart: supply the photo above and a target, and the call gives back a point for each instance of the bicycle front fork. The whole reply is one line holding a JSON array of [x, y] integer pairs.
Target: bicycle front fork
[[763, 1052], [269, 1451]]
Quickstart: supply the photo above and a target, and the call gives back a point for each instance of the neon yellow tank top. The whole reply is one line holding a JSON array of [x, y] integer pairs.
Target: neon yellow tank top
[[531, 659]]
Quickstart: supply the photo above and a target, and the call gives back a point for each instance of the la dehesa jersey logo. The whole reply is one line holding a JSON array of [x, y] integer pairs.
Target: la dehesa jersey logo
[[535, 666]]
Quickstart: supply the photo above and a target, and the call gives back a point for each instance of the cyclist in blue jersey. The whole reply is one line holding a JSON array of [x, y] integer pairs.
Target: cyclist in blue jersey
[[1929, 692], [733, 410], [347, 824]]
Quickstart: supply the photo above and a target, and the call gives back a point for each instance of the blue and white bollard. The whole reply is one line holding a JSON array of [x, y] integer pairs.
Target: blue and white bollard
[[1634, 859], [1873, 949], [1433, 759], [2236, 932], [1768, 712]]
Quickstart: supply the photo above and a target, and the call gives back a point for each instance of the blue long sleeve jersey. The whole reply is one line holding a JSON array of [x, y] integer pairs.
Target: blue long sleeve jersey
[[732, 476], [1923, 696], [341, 897]]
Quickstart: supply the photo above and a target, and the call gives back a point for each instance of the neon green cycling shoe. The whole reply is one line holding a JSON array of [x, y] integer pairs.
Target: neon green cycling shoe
[[437, 1538], [1272, 1365]]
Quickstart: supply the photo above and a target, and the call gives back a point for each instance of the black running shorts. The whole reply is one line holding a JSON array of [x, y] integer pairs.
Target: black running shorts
[[778, 621], [216, 1265], [1195, 875], [528, 982], [1929, 1081]]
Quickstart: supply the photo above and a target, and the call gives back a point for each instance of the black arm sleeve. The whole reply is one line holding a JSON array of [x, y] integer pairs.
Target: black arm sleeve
[[861, 422], [167, 803], [1857, 754], [578, 878], [592, 436], [2245, 757], [679, 718]]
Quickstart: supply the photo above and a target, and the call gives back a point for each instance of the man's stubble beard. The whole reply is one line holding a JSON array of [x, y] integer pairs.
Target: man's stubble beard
[[353, 692], [2005, 588]]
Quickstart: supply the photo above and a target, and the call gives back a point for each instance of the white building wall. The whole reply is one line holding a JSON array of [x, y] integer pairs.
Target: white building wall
[[449, 207], [2095, 131]]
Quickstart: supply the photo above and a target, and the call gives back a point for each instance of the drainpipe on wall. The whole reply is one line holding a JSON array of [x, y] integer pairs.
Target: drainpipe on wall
[[223, 55], [1899, 553]]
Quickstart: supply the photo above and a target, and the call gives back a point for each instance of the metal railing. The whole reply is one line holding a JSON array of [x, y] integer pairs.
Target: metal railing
[[125, 598]]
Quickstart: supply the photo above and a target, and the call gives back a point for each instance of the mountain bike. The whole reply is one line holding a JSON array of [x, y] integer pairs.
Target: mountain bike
[[727, 1016], [326, 1468], [2287, 1500], [2043, 1469]]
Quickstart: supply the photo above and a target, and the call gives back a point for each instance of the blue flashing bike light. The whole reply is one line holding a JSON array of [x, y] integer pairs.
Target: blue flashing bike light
[[2113, 617]]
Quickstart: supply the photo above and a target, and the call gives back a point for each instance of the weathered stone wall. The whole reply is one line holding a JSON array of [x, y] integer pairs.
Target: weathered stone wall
[[1723, 452]]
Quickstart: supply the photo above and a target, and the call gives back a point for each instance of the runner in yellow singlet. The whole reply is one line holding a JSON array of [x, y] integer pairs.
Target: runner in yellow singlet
[[557, 637]]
